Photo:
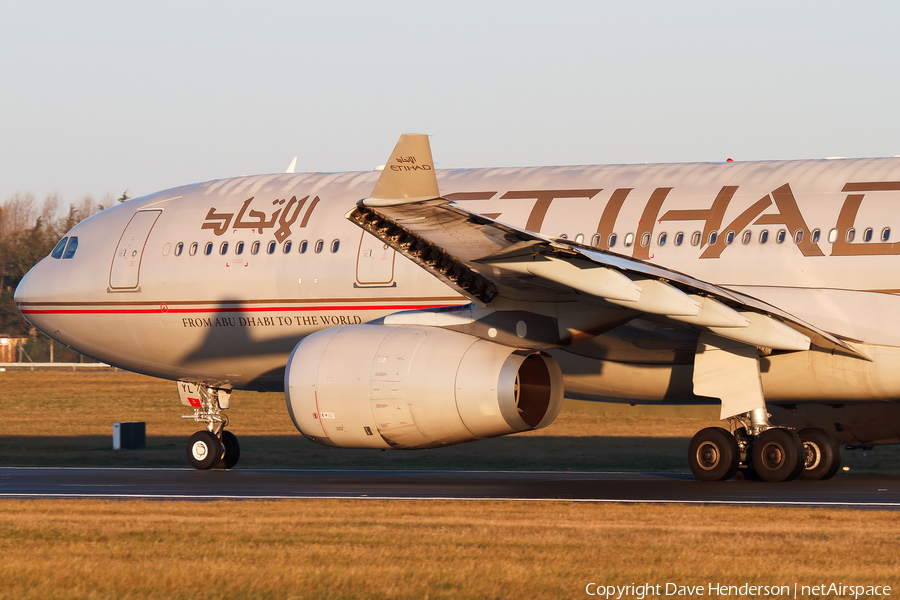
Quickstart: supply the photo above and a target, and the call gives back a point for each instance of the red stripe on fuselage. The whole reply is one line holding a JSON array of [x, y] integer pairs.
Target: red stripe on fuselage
[[144, 311]]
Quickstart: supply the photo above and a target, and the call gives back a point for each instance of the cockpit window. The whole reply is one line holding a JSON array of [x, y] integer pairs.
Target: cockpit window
[[58, 250], [71, 247]]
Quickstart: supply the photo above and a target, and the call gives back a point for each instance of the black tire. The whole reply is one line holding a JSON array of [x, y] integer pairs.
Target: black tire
[[713, 454], [232, 451], [204, 450], [778, 455], [822, 454]]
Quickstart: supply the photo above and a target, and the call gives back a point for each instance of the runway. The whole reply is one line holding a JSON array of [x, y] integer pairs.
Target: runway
[[850, 491]]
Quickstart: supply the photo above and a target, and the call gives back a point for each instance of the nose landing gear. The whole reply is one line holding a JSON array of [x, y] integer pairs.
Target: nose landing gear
[[212, 448]]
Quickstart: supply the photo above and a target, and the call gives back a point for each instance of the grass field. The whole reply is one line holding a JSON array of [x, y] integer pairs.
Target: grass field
[[420, 549], [64, 418], [396, 549]]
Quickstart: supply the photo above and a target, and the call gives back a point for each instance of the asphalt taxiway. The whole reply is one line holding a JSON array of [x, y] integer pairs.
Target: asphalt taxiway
[[849, 491]]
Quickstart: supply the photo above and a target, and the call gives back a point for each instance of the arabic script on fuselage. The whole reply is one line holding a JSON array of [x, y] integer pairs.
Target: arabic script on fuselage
[[285, 214]]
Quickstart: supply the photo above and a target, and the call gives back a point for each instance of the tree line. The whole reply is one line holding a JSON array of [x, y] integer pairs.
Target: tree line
[[29, 230]]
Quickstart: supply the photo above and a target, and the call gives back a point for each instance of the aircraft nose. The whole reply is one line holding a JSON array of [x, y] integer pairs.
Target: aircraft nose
[[29, 294], [50, 280], [25, 290]]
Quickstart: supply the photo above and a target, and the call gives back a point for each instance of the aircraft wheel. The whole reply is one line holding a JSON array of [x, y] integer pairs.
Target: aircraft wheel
[[822, 454], [232, 451], [204, 450], [778, 455], [713, 454]]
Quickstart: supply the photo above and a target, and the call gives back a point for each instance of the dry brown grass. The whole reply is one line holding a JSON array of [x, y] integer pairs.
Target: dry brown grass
[[65, 418], [420, 549], [87, 403]]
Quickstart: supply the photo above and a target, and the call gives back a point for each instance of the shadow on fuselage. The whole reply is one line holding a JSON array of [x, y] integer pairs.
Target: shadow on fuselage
[[241, 348]]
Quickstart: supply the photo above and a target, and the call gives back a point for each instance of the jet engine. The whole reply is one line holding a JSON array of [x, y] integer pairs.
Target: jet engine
[[377, 386]]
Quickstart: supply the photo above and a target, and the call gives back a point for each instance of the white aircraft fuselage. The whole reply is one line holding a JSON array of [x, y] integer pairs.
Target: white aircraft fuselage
[[216, 283]]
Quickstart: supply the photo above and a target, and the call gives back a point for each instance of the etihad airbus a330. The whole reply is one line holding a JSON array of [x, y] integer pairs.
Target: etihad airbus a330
[[414, 308]]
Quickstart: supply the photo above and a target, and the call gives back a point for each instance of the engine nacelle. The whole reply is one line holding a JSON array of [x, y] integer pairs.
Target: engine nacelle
[[377, 386]]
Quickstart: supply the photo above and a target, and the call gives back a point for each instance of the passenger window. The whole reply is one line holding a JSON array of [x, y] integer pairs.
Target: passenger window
[[166, 249], [798, 236], [595, 240], [832, 235], [679, 238], [662, 239], [745, 239], [579, 239], [781, 236], [179, 248], [816, 234], [193, 249], [563, 236], [303, 245], [223, 248], [695, 239], [713, 236], [207, 250], [319, 245], [254, 248], [287, 247], [60, 246], [271, 247], [612, 240], [337, 244], [71, 247], [239, 248], [629, 240], [851, 234], [867, 234], [885, 234], [763, 236], [645, 239], [729, 237]]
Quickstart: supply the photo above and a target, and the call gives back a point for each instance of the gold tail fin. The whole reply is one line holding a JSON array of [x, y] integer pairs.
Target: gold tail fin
[[408, 175]]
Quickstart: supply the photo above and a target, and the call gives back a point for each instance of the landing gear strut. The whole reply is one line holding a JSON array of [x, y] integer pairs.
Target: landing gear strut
[[212, 448]]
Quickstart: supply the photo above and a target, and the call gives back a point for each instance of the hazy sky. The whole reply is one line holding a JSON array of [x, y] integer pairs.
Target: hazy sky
[[97, 97]]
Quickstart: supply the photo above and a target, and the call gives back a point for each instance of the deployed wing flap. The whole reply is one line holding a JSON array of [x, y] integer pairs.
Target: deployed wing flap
[[483, 258]]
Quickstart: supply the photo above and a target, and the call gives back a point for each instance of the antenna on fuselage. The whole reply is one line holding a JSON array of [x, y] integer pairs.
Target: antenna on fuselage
[[293, 164]]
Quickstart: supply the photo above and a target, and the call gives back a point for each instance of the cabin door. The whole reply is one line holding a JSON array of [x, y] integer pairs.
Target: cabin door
[[124, 273], [374, 263]]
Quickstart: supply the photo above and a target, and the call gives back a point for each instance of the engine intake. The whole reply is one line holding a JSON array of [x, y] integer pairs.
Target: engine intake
[[378, 386]]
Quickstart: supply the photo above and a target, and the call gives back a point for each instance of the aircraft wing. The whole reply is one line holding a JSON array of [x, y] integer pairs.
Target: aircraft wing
[[485, 259]]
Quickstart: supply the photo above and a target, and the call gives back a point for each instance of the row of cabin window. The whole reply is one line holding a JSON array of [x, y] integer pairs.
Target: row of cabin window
[[255, 246], [729, 237]]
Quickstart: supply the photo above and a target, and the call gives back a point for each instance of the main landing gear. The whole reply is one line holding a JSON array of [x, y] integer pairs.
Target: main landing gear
[[762, 451], [729, 370], [212, 448]]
